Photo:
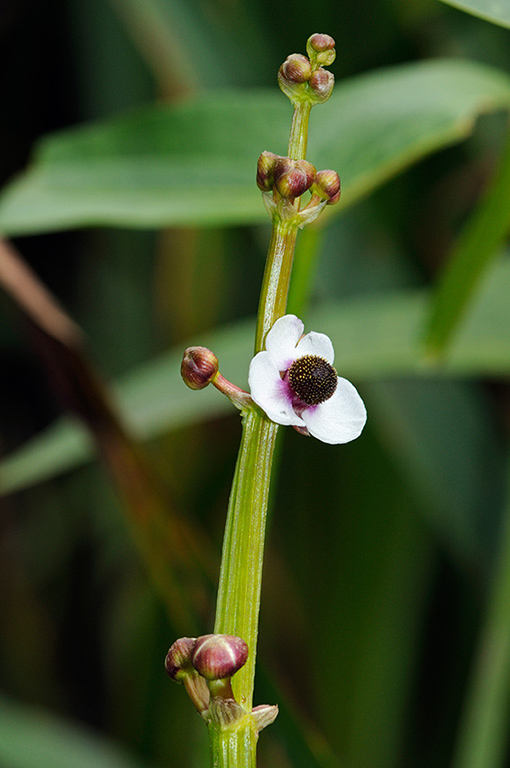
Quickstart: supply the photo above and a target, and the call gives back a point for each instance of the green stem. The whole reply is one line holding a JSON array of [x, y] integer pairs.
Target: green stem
[[482, 741], [276, 282], [298, 139], [275, 285], [243, 547], [232, 749], [237, 610]]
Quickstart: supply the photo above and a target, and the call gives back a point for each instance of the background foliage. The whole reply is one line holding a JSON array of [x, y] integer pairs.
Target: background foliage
[[139, 212]]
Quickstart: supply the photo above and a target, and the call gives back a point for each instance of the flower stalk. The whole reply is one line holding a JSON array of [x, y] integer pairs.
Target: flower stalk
[[238, 601], [233, 723]]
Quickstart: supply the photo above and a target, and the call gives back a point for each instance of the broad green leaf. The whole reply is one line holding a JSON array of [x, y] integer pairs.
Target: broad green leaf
[[497, 11], [477, 245], [31, 738], [194, 164], [374, 337]]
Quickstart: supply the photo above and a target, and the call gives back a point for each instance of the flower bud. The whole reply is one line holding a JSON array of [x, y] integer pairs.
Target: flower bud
[[217, 657], [321, 83], [296, 69], [199, 367], [327, 185], [180, 668], [293, 177], [178, 659], [265, 171], [321, 48]]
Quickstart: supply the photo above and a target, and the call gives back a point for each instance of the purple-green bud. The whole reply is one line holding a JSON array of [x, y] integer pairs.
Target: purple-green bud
[[322, 83], [321, 48], [179, 667], [217, 657], [296, 69], [265, 171], [178, 659], [293, 177], [199, 367], [327, 185]]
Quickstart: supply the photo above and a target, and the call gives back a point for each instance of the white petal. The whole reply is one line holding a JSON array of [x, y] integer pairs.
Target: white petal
[[316, 344], [282, 339], [339, 419], [270, 392]]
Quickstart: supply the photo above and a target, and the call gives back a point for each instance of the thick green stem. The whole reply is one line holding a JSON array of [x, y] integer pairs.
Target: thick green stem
[[298, 139], [238, 603], [233, 749], [243, 547], [275, 285]]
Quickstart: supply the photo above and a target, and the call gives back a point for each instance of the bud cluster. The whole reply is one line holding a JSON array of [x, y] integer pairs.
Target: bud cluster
[[303, 79], [282, 180], [206, 666]]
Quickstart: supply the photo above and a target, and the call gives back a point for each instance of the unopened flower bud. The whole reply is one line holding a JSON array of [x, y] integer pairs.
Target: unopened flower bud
[[293, 177], [217, 657], [327, 185], [296, 69], [321, 83], [179, 667], [178, 659], [321, 48], [199, 367], [265, 171]]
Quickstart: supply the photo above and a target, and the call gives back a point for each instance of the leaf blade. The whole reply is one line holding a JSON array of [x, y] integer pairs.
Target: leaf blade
[[489, 10], [194, 164]]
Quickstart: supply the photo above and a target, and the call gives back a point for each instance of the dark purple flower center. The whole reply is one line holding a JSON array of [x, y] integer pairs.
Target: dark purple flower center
[[312, 379]]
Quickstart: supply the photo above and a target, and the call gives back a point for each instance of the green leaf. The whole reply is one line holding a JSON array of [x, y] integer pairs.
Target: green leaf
[[31, 738], [476, 247], [375, 338], [497, 11], [194, 164]]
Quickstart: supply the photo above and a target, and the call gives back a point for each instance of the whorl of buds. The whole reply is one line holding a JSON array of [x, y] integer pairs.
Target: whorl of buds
[[296, 69], [199, 367], [178, 659], [303, 79], [321, 48], [217, 657], [321, 83], [293, 177], [265, 171], [327, 186]]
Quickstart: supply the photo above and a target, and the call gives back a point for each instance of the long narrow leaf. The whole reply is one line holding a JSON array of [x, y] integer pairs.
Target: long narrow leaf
[[483, 734], [477, 246]]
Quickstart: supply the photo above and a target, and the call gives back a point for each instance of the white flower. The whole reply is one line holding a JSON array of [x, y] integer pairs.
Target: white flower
[[295, 383]]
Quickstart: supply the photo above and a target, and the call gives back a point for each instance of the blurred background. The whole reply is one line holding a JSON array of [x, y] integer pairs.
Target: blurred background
[[380, 554]]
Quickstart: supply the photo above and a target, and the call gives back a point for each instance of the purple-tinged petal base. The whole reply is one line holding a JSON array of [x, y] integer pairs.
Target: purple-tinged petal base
[[270, 392]]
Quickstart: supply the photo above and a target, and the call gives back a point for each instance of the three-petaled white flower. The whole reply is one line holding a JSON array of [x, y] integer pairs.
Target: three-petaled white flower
[[294, 382]]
